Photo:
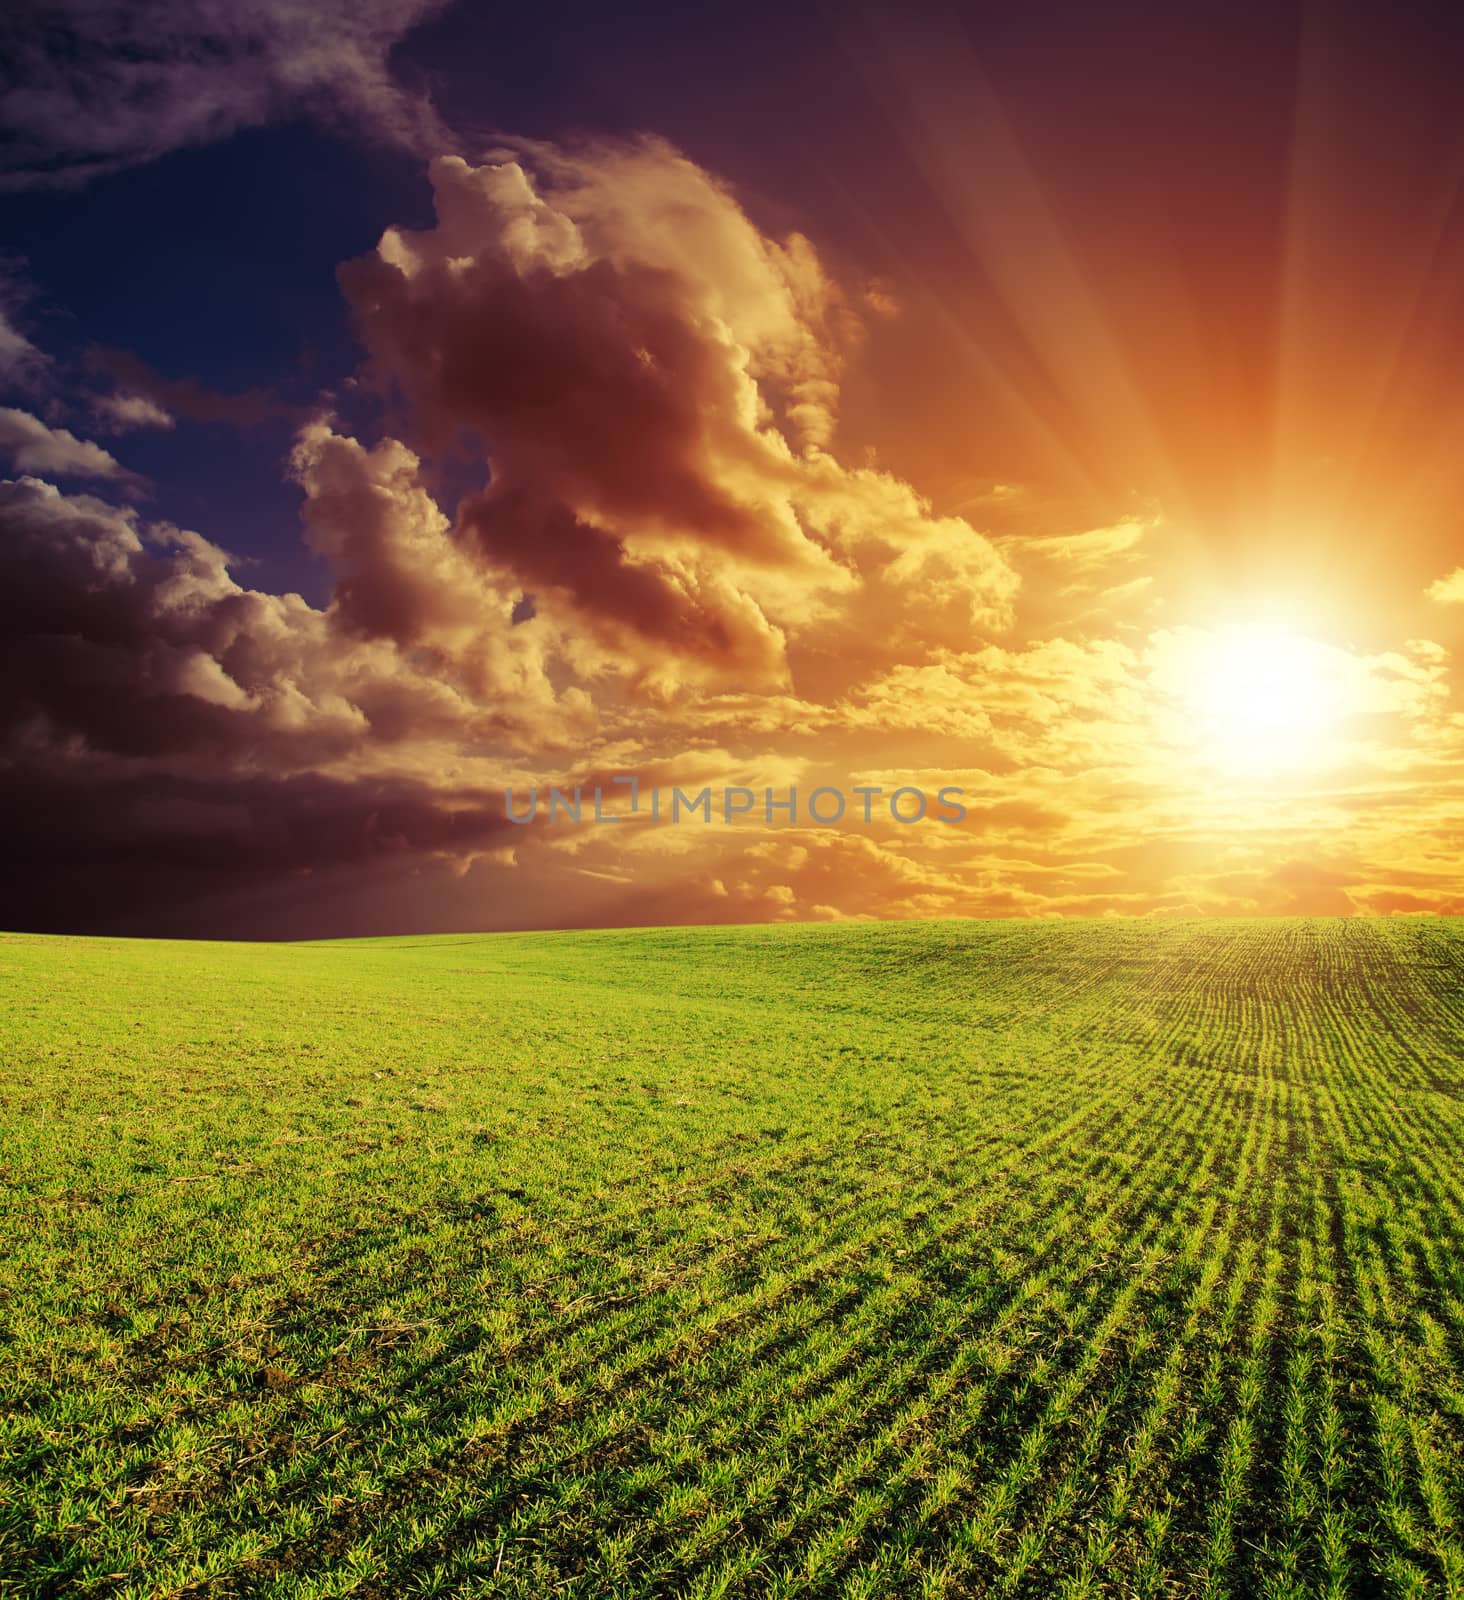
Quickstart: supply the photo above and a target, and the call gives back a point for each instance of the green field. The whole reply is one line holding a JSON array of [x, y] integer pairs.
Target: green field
[[1029, 1258]]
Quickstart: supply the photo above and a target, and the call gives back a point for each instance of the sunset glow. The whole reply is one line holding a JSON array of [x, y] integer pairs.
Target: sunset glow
[[891, 412], [1264, 699]]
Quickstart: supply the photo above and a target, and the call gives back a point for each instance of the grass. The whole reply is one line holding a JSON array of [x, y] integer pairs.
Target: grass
[[1048, 1259]]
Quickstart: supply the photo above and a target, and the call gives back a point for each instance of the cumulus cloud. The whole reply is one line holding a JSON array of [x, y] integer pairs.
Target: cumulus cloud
[[21, 363], [35, 447], [136, 640], [402, 579], [145, 688], [655, 384], [97, 86], [1448, 590], [121, 413]]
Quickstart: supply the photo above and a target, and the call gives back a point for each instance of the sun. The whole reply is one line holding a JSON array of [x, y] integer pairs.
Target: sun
[[1258, 698]]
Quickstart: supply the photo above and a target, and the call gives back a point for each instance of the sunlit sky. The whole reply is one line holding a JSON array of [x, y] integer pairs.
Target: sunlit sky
[[1058, 403]]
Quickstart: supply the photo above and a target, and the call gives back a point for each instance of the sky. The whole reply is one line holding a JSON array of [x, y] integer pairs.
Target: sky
[[403, 404]]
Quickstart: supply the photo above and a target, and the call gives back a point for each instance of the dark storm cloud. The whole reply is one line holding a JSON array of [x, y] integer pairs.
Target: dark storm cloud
[[92, 847], [94, 86], [617, 414], [628, 605], [653, 382], [165, 731], [137, 640], [596, 380]]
